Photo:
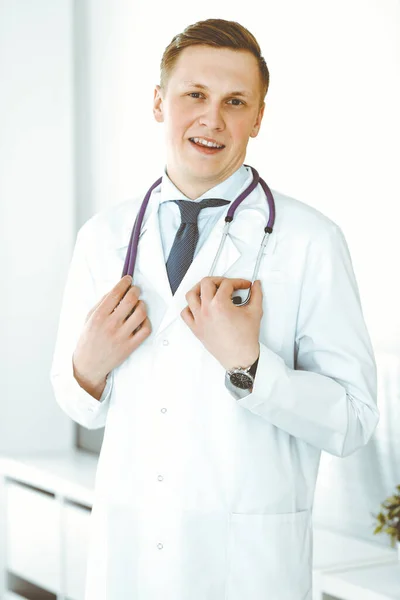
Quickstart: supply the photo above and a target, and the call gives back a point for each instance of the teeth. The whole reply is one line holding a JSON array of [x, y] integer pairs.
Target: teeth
[[205, 143]]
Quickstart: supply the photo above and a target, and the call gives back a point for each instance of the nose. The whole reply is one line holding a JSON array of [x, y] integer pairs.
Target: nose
[[212, 116]]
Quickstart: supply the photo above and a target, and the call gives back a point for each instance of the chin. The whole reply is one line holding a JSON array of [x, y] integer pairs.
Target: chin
[[204, 168]]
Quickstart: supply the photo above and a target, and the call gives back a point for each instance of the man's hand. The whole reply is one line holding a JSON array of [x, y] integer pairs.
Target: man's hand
[[230, 333], [113, 329]]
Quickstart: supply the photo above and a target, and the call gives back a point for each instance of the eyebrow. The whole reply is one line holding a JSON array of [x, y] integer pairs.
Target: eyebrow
[[204, 87]]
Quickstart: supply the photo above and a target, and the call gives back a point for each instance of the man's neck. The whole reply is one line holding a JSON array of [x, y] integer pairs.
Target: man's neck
[[192, 188]]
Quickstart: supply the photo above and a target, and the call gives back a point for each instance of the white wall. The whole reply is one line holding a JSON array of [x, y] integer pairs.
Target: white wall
[[36, 215], [329, 138]]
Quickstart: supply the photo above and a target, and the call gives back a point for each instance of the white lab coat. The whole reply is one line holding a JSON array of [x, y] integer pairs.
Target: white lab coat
[[199, 496]]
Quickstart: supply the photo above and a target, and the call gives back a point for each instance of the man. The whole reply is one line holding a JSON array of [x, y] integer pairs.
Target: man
[[204, 490]]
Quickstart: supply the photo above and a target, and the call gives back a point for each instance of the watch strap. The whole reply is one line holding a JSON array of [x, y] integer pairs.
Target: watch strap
[[253, 368]]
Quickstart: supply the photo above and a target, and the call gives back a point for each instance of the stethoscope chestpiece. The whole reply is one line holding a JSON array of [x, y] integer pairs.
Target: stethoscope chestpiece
[[238, 295]]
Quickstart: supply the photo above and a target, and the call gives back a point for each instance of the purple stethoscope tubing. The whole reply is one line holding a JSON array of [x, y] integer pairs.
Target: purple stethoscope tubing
[[130, 259]]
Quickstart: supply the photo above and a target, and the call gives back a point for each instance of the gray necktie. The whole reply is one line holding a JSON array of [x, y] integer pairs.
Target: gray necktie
[[186, 238]]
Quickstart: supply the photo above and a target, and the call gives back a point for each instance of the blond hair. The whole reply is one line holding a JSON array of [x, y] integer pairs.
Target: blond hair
[[217, 33]]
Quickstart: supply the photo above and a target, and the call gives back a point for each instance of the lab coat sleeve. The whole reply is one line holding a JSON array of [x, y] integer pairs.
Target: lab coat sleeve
[[329, 399], [237, 393], [79, 297]]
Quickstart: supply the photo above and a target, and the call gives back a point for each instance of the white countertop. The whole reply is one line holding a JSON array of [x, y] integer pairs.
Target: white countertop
[[373, 582], [334, 550], [70, 474]]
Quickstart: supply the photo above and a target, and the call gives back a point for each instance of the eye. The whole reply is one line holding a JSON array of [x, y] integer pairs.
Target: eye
[[198, 94], [236, 100]]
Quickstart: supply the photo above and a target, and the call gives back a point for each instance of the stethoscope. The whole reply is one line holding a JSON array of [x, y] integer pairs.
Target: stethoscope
[[131, 254]]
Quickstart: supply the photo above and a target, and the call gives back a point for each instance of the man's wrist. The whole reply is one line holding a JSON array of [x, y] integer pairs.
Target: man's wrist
[[94, 388], [240, 380], [248, 361]]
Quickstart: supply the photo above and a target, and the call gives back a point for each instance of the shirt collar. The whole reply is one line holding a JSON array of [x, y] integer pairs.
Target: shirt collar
[[226, 190]]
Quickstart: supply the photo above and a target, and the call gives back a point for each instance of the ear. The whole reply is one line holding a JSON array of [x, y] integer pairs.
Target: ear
[[257, 124], [158, 105]]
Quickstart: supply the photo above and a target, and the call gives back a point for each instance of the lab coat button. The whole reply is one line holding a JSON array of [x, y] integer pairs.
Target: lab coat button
[[163, 410], [160, 478], [165, 342], [159, 546]]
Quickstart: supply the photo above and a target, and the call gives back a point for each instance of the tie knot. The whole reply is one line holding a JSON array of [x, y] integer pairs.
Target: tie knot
[[190, 209]]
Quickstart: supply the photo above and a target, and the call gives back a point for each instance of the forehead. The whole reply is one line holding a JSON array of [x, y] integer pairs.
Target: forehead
[[216, 66]]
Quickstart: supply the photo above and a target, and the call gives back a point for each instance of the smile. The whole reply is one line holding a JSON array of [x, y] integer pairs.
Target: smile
[[202, 142]]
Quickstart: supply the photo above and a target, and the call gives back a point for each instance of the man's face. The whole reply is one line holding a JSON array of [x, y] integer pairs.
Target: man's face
[[212, 94]]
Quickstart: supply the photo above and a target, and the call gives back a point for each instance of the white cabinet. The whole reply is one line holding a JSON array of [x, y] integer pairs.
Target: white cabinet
[[33, 536], [45, 506], [76, 538]]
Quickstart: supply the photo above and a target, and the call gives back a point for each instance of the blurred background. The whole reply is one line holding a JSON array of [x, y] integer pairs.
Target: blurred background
[[77, 135]]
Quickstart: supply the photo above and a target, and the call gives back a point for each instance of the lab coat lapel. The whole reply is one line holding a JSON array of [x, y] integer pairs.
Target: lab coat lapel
[[150, 257], [198, 269]]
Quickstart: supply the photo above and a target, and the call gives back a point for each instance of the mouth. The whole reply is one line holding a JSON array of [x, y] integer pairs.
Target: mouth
[[206, 147]]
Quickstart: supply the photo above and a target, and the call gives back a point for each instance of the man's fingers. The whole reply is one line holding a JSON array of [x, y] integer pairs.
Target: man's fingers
[[256, 291], [238, 283], [212, 283], [235, 284], [188, 317], [196, 289], [228, 286], [111, 300], [194, 301], [208, 288], [91, 311]]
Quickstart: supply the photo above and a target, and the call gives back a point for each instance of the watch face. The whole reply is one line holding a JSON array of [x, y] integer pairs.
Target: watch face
[[241, 380]]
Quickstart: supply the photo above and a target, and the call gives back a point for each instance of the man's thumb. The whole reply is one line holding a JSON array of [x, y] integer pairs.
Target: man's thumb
[[256, 292]]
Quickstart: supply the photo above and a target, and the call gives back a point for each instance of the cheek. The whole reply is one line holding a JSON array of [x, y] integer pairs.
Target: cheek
[[179, 119], [242, 131]]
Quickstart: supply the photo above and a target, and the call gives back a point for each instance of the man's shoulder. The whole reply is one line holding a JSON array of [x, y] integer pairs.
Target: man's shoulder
[[113, 224], [299, 219]]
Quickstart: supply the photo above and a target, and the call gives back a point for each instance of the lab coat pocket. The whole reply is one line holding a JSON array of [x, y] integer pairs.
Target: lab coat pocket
[[270, 556]]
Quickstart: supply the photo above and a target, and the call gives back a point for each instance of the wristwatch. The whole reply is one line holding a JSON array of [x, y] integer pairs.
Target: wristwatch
[[243, 377]]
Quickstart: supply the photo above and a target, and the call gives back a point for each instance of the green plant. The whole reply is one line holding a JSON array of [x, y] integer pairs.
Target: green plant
[[389, 519]]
